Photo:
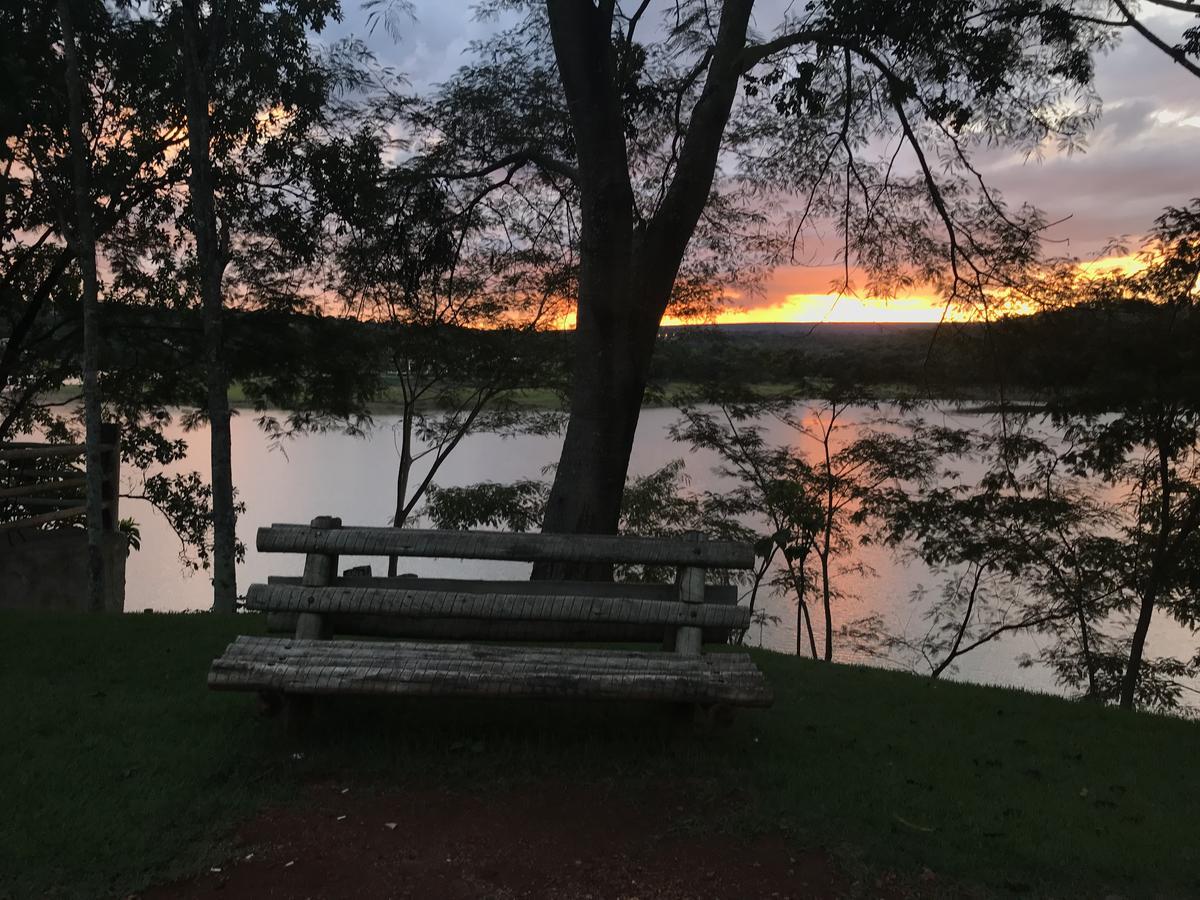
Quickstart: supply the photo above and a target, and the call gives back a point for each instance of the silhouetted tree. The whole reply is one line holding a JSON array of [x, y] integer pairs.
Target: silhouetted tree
[[1086, 523], [802, 496], [456, 308], [240, 63], [645, 122], [84, 240]]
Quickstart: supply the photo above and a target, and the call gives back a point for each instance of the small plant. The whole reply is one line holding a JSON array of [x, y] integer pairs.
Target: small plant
[[132, 531]]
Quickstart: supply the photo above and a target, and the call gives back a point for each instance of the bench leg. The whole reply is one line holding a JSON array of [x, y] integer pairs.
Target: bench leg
[[270, 704], [707, 716], [297, 713]]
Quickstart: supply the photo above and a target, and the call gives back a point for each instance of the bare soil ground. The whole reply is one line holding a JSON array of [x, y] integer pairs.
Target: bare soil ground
[[539, 841]]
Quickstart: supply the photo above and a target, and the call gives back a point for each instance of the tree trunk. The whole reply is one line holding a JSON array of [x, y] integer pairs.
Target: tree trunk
[[612, 363], [627, 272], [212, 257], [825, 602], [1085, 647], [1133, 669], [1158, 563], [812, 640], [403, 473], [85, 251]]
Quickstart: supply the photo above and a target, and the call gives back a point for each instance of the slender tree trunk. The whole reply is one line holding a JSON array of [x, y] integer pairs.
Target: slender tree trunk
[[85, 251], [1150, 594], [1133, 668], [812, 640], [962, 626], [403, 473], [212, 257], [827, 538], [799, 576], [825, 602], [1085, 647]]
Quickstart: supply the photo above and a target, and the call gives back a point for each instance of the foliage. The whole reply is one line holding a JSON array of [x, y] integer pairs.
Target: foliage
[[803, 496], [272, 93], [501, 507], [132, 532], [658, 504], [697, 147], [455, 296], [1086, 522]]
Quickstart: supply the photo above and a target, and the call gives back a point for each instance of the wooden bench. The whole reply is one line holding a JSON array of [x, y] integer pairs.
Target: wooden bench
[[444, 614]]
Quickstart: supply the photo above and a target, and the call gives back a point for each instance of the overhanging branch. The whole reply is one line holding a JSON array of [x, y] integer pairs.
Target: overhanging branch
[[526, 156], [1174, 52]]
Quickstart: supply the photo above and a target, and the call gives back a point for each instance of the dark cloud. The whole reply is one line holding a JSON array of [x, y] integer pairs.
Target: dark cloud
[[1141, 156], [427, 47]]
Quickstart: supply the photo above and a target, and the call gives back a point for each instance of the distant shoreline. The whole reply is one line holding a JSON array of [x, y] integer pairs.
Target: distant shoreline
[[978, 402]]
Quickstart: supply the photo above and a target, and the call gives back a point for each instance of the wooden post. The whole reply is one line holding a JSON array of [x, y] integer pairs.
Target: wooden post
[[691, 590], [110, 463], [320, 569]]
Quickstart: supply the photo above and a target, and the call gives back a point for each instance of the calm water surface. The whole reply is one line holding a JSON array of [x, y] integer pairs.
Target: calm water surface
[[332, 474]]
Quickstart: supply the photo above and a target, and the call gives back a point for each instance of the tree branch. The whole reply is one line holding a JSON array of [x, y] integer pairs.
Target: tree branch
[[1183, 5], [673, 224], [754, 54], [1174, 52], [518, 158]]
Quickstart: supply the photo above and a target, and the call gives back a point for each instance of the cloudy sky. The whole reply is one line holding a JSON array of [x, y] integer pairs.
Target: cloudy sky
[[1144, 155]]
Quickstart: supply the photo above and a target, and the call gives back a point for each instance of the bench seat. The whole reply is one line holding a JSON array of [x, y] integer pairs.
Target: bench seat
[[448, 627], [427, 669]]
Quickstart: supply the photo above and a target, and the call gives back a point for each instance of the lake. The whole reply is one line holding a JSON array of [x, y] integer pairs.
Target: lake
[[354, 478]]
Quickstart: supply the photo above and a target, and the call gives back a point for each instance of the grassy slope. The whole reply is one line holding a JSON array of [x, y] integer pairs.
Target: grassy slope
[[118, 767]]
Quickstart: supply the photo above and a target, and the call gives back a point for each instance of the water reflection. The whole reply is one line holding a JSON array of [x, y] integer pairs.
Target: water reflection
[[332, 474]]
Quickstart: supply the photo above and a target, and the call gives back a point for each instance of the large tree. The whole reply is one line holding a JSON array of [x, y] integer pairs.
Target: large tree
[[662, 134]]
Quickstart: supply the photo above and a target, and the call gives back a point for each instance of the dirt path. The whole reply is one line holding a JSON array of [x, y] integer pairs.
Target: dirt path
[[545, 841]]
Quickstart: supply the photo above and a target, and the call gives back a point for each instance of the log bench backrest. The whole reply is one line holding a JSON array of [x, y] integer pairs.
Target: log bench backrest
[[320, 603], [468, 629], [581, 548]]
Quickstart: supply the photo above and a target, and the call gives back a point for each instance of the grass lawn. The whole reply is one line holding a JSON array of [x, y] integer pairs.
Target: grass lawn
[[118, 768]]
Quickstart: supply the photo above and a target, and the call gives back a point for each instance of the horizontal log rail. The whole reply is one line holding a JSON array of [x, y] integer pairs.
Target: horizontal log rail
[[69, 503], [52, 502], [493, 606], [41, 487], [45, 451], [415, 542], [637, 590], [44, 518], [511, 630]]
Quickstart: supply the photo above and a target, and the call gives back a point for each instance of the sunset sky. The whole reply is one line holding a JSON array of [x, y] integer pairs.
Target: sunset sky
[[1142, 157]]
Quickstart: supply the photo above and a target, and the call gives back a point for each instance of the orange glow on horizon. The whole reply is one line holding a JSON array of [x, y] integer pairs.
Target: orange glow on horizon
[[834, 308], [815, 307], [1113, 265]]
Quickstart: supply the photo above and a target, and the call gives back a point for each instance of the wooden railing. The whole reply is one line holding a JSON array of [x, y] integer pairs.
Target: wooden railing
[[28, 484]]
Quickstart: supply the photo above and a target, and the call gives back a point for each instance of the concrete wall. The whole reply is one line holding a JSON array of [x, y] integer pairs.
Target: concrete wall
[[48, 570]]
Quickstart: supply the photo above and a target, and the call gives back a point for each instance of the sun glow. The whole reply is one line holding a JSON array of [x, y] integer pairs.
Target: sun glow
[[843, 308], [814, 307], [1113, 265]]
